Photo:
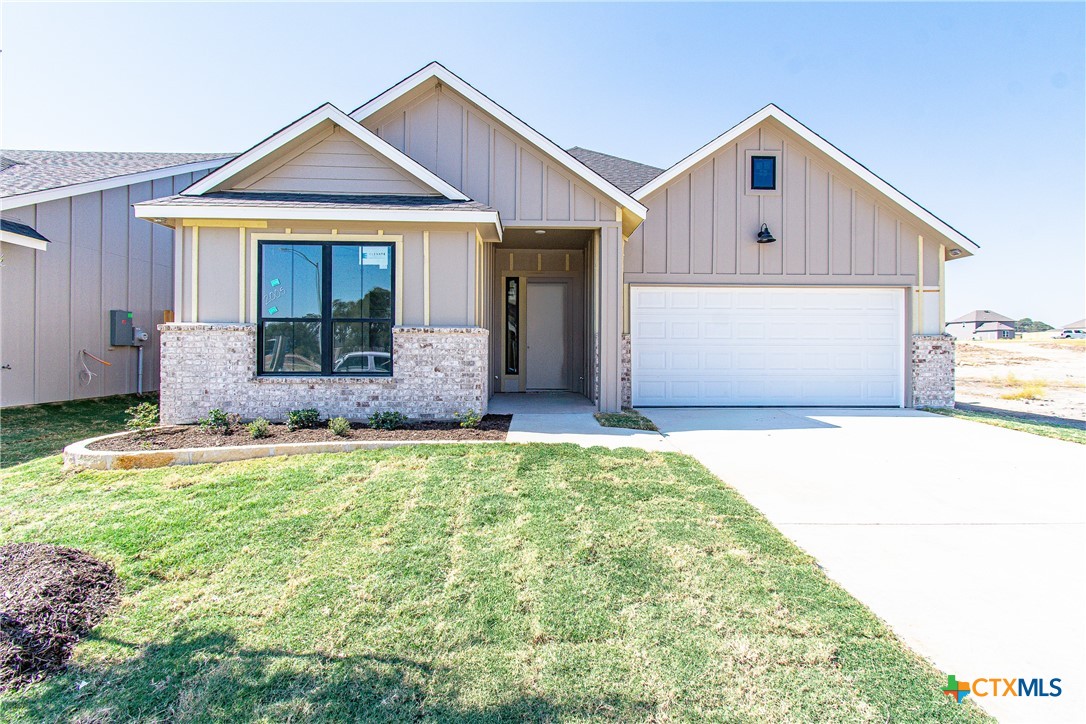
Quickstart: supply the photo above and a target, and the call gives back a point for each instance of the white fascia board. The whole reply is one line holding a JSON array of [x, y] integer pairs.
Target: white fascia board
[[62, 192], [458, 84], [327, 112], [772, 111], [152, 211], [9, 237]]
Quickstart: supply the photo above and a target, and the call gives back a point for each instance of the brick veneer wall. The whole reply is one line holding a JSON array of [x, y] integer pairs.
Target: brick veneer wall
[[933, 370], [437, 371], [624, 370]]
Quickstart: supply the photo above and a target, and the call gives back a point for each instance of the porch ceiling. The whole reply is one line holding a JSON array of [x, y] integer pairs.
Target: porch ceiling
[[553, 239]]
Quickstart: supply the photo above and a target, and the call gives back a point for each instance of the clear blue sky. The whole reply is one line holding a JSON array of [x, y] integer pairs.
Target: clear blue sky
[[977, 111]]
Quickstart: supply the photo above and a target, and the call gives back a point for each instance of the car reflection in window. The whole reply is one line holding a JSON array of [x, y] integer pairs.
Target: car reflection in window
[[364, 363]]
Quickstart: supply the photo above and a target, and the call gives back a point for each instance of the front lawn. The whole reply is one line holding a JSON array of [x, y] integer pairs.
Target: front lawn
[[39, 430], [454, 583], [1021, 423]]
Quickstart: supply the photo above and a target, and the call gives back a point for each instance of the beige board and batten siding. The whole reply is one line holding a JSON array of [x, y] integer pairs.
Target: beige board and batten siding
[[332, 161], [56, 302], [831, 227], [488, 161], [446, 295]]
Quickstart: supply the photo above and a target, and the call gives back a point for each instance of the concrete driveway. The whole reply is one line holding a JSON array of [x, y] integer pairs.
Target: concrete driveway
[[968, 539]]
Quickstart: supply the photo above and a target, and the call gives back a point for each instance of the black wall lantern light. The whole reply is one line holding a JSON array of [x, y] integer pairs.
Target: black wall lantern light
[[764, 236]]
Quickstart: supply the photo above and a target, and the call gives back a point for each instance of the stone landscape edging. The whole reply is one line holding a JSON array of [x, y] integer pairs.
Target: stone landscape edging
[[79, 455]]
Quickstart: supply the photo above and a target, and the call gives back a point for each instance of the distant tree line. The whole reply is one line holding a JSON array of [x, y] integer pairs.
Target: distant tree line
[[1028, 325]]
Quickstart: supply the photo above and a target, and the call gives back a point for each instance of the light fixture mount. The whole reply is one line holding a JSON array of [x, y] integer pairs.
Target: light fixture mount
[[765, 236]]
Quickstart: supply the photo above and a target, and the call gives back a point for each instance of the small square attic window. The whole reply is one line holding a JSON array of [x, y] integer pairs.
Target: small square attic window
[[763, 173]]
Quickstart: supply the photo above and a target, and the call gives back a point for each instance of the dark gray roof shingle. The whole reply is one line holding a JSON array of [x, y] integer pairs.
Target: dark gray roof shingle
[[981, 315], [15, 227], [627, 175], [319, 201], [23, 172]]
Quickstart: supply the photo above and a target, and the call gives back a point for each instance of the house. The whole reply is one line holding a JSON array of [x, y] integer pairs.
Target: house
[[1074, 330], [430, 249], [72, 251], [981, 324]]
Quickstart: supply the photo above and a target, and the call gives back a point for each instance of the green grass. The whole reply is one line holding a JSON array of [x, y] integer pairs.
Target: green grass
[[1037, 427], [628, 418], [454, 583], [36, 431]]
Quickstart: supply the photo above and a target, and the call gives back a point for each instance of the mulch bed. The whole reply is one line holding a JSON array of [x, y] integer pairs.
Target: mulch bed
[[50, 597], [492, 427]]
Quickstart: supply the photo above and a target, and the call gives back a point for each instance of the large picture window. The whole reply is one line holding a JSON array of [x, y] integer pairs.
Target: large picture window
[[326, 308]]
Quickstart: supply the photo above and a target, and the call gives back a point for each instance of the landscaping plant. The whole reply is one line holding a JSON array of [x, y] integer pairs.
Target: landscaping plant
[[469, 418], [339, 426], [142, 417], [219, 421], [302, 419], [259, 428], [390, 420]]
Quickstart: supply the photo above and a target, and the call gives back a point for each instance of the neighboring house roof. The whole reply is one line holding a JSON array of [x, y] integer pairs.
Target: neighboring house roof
[[981, 315], [28, 177], [995, 327], [443, 75], [1080, 324], [301, 206], [15, 232], [626, 174], [326, 112], [772, 111]]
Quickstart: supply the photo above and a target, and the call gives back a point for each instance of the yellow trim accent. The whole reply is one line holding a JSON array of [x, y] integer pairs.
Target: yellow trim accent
[[225, 223], [426, 278], [196, 274], [241, 274], [253, 281]]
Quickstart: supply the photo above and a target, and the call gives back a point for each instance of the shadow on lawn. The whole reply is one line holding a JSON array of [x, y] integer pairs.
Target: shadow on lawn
[[211, 677]]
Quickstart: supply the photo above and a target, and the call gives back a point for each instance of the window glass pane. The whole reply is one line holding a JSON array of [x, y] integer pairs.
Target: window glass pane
[[377, 281], [292, 347], [763, 172], [347, 281], [362, 348], [291, 280], [512, 325]]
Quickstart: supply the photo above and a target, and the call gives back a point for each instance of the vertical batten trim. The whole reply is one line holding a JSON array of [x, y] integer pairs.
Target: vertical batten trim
[[942, 288], [806, 214], [426, 278], [241, 274], [254, 283], [178, 272], [195, 274], [398, 297], [920, 284]]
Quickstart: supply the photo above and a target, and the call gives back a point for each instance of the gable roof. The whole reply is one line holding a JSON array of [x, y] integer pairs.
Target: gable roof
[[625, 174], [436, 71], [16, 232], [30, 177], [772, 111], [981, 315], [995, 327], [1080, 324], [308, 122]]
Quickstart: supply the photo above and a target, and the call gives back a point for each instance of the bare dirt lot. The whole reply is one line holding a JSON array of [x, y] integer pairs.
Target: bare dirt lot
[[1035, 375]]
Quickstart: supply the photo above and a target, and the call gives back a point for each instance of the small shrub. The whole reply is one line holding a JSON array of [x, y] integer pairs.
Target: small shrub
[[259, 428], [469, 418], [142, 417], [391, 420], [1028, 391], [219, 421], [302, 419], [339, 426]]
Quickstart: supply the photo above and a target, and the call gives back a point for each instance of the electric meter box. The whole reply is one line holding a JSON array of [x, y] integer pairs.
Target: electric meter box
[[121, 331]]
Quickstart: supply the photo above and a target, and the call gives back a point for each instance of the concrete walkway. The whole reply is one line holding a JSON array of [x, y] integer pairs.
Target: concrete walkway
[[557, 417], [967, 539]]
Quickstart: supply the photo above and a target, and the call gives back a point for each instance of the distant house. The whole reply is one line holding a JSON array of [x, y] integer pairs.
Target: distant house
[[72, 251], [1075, 330], [981, 324]]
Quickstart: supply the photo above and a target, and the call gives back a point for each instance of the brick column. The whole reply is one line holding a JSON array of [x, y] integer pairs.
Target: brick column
[[933, 370]]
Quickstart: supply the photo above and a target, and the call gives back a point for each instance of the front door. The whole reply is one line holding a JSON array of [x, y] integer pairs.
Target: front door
[[547, 336]]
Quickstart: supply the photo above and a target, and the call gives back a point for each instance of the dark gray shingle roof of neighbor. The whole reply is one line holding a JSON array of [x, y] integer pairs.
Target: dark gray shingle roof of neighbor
[[981, 315], [14, 227], [995, 327], [23, 172], [627, 175], [320, 201]]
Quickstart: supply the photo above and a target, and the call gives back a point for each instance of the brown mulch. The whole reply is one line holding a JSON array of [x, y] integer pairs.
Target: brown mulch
[[492, 427], [50, 597]]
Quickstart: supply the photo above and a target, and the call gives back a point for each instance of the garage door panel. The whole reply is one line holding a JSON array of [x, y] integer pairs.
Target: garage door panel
[[736, 346]]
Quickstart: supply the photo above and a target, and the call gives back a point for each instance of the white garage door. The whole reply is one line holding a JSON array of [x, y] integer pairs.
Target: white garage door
[[756, 346]]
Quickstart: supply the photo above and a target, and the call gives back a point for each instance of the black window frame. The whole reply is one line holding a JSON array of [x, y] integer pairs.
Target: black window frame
[[753, 161], [327, 321]]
